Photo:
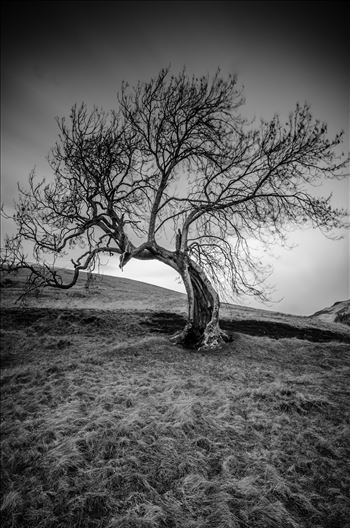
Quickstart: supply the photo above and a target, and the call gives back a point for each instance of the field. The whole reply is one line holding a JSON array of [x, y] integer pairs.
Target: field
[[107, 424]]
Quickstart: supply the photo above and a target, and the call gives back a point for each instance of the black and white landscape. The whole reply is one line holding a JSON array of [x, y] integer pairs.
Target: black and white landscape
[[107, 423], [199, 146]]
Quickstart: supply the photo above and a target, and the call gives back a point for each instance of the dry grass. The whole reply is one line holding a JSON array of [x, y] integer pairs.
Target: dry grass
[[115, 293], [105, 425]]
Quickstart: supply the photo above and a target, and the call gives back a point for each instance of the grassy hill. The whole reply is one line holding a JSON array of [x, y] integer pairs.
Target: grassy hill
[[106, 424], [338, 312], [106, 292]]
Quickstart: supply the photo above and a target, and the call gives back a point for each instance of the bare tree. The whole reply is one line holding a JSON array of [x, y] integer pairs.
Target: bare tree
[[176, 175]]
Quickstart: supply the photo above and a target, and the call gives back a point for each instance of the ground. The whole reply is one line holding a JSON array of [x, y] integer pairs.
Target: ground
[[107, 424]]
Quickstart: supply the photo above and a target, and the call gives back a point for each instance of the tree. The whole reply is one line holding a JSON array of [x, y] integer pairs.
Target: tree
[[177, 175]]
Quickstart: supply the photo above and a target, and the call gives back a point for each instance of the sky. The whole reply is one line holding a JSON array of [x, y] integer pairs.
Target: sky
[[56, 54]]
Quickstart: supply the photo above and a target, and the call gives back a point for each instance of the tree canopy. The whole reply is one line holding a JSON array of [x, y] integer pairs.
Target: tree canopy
[[176, 174]]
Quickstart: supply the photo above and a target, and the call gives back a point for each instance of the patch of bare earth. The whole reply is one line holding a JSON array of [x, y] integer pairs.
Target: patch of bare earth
[[106, 424]]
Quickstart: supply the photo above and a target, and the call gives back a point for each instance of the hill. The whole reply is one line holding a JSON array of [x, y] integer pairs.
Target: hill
[[105, 292], [116, 293], [338, 312], [106, 424]]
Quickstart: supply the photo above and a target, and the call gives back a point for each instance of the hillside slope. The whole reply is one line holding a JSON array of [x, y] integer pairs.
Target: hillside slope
[[107, 424], [108, 293], [339, 312]]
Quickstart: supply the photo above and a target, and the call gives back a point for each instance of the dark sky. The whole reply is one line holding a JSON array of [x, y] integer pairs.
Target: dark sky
[[55, 54]]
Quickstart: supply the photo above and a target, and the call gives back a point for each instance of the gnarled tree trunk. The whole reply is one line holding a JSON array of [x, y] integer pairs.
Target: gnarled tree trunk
[[202, 330]]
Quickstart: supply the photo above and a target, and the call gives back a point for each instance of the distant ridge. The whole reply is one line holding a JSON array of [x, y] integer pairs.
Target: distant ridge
[[339, 312]]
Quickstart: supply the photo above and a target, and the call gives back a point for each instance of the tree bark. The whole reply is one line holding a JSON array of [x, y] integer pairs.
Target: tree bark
[[202, 330]]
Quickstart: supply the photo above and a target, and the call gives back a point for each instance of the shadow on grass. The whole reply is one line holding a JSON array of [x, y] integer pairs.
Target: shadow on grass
[[169, 323], [88, 321]]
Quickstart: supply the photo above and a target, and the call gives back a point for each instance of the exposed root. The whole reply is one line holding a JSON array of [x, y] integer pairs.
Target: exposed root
[[213, 337], [191, 337]]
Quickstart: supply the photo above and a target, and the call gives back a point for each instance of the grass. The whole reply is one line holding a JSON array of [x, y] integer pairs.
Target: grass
[[107, 425]]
